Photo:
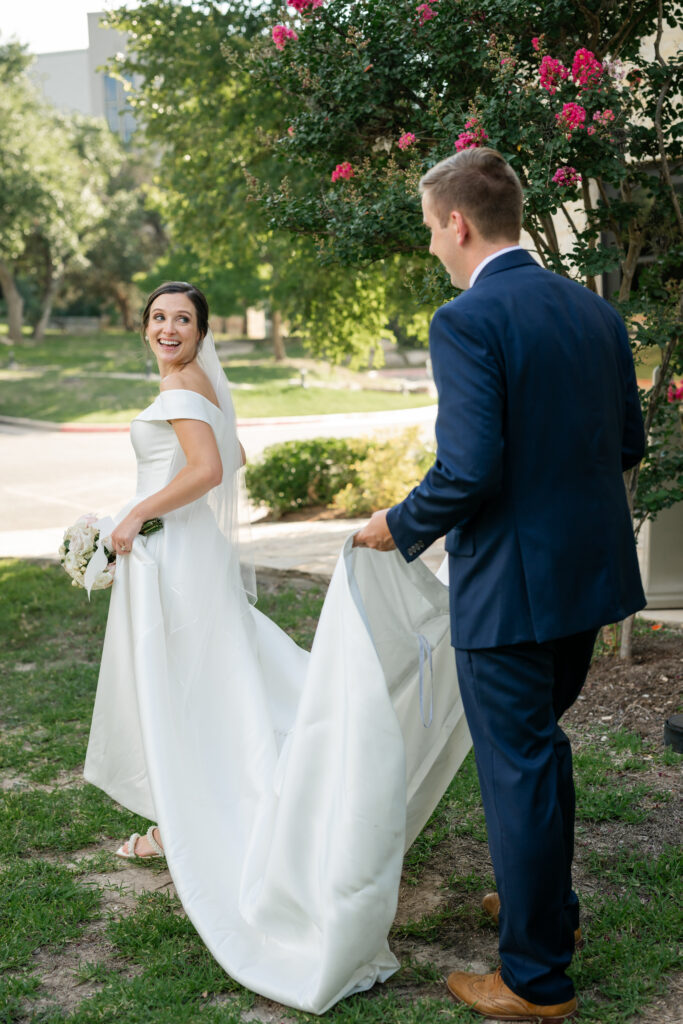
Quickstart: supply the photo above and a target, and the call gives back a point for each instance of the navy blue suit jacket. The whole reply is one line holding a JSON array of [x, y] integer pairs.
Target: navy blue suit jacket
[[538, 417]]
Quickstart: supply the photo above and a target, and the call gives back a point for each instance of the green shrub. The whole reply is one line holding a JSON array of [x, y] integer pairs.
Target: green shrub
[[386, 474], [297, 474]]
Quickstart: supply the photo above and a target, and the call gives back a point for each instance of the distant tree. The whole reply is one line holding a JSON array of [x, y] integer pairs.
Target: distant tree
[[129, 240], [21, 190], [74, 215], [52, 180]]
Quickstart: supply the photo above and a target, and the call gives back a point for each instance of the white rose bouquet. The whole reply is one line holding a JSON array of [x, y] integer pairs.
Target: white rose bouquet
[[82, 541]]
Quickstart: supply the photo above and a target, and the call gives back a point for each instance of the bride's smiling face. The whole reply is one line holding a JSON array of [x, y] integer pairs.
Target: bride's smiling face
[[172, 330]]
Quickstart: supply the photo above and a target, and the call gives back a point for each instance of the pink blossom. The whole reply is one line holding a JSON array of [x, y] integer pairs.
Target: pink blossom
[[281, 34], [536, 43], [586, 69], [344, 170], [565, 177], [551, 73], [572, 117], [290, 130], [426, 12], [603, 116], [302, 5], [675, 394], [615, 69], [473, 136], [591, 129], [407, 139]]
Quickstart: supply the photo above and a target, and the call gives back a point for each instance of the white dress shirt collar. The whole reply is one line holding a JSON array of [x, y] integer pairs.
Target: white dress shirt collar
[[488, 259]]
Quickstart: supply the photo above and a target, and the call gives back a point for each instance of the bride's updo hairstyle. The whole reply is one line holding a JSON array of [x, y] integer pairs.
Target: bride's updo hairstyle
[[197, 297]]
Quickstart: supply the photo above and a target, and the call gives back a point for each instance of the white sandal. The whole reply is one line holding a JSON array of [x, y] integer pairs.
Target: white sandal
[[132, 855]]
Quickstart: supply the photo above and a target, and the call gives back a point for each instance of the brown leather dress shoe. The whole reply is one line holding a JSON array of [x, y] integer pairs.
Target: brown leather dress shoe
[[491, 906], [491, 997]]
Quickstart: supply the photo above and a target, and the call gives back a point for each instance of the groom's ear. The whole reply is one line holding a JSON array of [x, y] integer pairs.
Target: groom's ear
[[460, 225]]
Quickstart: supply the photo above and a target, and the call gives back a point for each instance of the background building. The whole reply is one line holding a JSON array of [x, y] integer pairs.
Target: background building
[[77, 80]]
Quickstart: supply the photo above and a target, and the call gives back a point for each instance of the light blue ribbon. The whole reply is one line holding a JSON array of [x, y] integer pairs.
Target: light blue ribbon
[[425, 649], [99, 561]]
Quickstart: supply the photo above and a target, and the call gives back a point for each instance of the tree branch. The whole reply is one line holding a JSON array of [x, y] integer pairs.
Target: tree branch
[[593, 19], [570, 221], [627, 28], [666, 172], [540, 244], [605, 198], [592, 240], [550, 234]]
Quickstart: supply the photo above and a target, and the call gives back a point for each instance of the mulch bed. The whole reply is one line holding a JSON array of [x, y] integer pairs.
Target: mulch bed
[[639, 695]]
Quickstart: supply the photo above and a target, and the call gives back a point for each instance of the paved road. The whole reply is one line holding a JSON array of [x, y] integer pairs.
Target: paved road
[[49, 478]]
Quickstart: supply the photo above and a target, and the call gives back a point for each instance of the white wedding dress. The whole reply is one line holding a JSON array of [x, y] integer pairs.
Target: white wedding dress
[[286, 785]]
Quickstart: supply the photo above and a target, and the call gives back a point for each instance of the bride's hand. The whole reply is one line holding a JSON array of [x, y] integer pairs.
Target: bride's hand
[[124, 534]]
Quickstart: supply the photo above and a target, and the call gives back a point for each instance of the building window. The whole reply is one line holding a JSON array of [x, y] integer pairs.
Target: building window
[[116, 110]]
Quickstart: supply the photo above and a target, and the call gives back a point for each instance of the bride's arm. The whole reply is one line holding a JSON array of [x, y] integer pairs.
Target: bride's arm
[[202, 472]]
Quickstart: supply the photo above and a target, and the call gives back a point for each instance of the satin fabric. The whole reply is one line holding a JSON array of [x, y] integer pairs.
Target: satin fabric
[[286, 785]]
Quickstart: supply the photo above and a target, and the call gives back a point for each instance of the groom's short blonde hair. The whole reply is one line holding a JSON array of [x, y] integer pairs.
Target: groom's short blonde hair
[[482, 185]]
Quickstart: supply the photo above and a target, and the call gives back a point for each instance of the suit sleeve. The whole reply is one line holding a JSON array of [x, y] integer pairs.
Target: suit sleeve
[[469, 435], [633, 435]]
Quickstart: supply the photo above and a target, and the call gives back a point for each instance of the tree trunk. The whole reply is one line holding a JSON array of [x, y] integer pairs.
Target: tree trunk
[[15, 303], [626, 646], [122, 300], [278, 341], [54, 284]]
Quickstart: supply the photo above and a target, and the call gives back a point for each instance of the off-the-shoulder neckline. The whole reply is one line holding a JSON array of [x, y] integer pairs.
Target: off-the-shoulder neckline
[[188, 391]]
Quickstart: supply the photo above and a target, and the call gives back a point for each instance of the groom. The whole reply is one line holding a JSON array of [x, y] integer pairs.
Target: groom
[[538, 416]]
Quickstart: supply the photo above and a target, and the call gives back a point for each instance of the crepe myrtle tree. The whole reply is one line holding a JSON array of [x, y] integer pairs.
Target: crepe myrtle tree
[[582, 97]]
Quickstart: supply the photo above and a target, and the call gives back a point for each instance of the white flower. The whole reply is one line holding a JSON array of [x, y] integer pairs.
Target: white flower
[[78, 547]]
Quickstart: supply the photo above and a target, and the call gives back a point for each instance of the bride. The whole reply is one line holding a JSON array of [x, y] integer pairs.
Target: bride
[[286, 786]]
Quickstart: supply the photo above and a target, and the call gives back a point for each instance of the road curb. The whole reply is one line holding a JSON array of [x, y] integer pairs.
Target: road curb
[[264, 421]]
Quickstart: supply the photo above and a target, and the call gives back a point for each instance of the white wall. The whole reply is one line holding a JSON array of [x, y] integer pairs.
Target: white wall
[[63, 79]]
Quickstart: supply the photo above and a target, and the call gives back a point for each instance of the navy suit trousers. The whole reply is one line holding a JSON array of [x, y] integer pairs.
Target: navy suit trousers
[[514, 697]]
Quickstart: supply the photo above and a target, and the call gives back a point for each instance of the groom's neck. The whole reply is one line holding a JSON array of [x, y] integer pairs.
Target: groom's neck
[[482, 250]]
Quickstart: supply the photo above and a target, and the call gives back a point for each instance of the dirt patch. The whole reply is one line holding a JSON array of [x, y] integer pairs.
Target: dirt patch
[[63, 978], [64, 974], [667, 1009], [636, 696], [275, 581], [309, 514]]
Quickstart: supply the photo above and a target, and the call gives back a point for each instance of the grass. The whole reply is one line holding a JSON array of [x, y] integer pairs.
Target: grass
[[63, 379], [156, 967], [647, 358]]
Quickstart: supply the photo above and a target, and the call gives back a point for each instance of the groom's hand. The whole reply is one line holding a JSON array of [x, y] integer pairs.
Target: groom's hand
[[376, 534]]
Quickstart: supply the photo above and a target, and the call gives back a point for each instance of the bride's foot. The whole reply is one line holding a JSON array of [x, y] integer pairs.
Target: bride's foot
[[142, 847]]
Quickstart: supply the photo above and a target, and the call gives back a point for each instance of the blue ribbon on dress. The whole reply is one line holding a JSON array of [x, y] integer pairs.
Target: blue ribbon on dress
[[425, 652]]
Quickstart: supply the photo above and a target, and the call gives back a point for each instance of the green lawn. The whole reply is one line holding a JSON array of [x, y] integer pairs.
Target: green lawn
[[137, 958], [59, 380]]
